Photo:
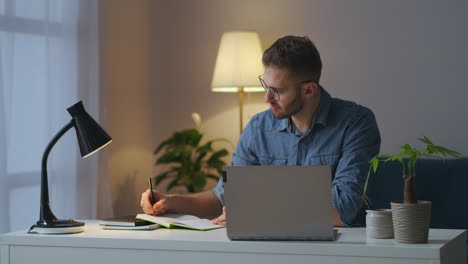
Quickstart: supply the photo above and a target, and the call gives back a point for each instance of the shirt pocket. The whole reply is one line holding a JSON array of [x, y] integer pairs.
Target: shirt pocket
[[265, 161]]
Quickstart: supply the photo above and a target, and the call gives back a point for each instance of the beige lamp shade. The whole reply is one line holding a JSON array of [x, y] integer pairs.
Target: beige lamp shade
[[239, 63]]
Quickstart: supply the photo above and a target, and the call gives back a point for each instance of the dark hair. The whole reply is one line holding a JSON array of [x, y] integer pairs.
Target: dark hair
[[296, 54]]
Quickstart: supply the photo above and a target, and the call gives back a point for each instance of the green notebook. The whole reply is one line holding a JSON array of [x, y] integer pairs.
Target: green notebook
[[180, 221]]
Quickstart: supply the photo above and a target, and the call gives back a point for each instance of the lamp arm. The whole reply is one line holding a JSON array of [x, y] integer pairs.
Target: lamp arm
[[46, 214]]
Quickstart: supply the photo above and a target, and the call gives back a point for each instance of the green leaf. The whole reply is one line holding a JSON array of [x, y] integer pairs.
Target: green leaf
[[163, 144], [399, 157], [452, 153], [441, 152], [215, 161], [189, 137], [430, 149], [417, 152], [173, 184], [161, 177], [407, 148], [425, 140], [375, 164], [212, 176], [216, 164], [196, 165], [437, 150], [199, 181], [430, 156], [219, 154], [169, 157], [204, 150]]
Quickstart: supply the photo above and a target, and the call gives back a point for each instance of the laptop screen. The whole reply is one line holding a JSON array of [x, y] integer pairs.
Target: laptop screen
[[279, 203]]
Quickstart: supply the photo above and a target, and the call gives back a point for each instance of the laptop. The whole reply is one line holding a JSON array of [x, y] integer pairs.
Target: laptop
[[278, 203]]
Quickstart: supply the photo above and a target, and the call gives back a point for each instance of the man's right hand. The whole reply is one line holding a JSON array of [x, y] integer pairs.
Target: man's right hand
[[160, 207]]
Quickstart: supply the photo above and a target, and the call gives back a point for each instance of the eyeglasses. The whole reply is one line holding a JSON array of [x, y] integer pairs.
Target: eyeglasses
[[274, 91]]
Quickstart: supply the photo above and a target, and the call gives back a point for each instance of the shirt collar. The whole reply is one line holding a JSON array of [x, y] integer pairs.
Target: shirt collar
[[324, 108], [283, 124]]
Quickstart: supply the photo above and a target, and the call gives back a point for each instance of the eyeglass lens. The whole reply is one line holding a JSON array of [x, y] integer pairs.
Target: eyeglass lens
[[267, 88]]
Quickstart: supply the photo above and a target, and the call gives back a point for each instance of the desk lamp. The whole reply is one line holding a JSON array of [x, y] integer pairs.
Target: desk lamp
[[91, 138], [238, 64]]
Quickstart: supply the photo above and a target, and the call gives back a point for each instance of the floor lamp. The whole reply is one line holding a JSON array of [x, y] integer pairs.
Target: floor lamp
[[238, 65]]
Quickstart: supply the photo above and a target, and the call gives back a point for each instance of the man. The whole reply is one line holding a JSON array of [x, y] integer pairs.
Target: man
[[304, 126]]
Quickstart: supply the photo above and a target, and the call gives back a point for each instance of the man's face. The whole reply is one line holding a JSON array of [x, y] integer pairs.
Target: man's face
[[291, 99]]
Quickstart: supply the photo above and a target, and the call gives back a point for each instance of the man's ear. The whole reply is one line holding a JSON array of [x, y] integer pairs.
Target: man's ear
[[311, 89]]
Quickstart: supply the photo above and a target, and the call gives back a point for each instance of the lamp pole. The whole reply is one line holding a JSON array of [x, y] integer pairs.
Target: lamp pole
[[240, 92], [46, 217]]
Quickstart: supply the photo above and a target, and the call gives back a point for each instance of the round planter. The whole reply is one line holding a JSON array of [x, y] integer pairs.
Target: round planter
[[379, 223], [411, 221]]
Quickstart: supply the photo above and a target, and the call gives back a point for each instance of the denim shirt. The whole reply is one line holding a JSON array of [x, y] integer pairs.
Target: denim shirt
[[343, 135]]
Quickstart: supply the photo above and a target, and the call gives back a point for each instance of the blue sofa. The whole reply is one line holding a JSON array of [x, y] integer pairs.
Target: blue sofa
[[443, 182]]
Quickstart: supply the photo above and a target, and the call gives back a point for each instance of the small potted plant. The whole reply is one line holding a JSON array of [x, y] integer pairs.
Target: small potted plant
[[410, 217], [190, 162]]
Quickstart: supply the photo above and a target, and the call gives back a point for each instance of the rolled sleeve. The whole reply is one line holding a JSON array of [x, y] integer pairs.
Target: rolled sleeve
[[361, 143], [244, 155], [218, 190]]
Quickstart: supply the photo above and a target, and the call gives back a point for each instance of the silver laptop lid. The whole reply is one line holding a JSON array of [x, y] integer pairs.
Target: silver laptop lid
[[278, 203]]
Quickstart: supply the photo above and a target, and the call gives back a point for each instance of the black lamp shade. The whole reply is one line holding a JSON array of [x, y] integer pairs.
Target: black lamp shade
[[91, 136]]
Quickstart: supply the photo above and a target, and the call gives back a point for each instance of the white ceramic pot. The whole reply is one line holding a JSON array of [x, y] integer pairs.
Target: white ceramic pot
[[379, 223]]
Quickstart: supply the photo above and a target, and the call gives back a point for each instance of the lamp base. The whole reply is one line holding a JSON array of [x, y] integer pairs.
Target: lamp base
[[58, 227]]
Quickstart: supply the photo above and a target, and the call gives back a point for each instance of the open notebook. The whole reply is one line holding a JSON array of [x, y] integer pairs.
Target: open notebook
[[179, 221]]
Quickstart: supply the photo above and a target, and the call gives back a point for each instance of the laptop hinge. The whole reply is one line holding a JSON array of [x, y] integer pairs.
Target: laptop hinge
[[224, 176]]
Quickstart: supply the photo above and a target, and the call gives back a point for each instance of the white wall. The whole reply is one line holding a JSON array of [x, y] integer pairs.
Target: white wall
[[127, 67], [406, 60]]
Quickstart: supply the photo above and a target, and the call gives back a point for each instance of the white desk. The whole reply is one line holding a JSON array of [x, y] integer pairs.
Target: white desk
[[189, 247]]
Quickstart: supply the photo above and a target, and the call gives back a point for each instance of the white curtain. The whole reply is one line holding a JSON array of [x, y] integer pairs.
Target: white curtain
[[49, 60]]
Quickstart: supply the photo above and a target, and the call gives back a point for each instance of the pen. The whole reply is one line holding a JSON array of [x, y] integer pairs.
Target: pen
[[151, 190]]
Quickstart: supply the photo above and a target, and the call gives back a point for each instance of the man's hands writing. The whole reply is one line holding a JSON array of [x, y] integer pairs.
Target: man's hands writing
[[161, 205]]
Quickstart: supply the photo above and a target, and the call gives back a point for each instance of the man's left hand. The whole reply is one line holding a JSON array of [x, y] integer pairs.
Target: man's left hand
[[220, 220]]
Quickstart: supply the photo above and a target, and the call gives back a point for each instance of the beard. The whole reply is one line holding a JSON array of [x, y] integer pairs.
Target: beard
[[281, 112]]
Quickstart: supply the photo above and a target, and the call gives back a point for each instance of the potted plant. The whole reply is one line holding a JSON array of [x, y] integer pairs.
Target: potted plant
[[190, 162], [410, 217]]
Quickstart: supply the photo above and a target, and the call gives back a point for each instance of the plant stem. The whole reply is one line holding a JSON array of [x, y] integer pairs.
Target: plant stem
[[409, 192]]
